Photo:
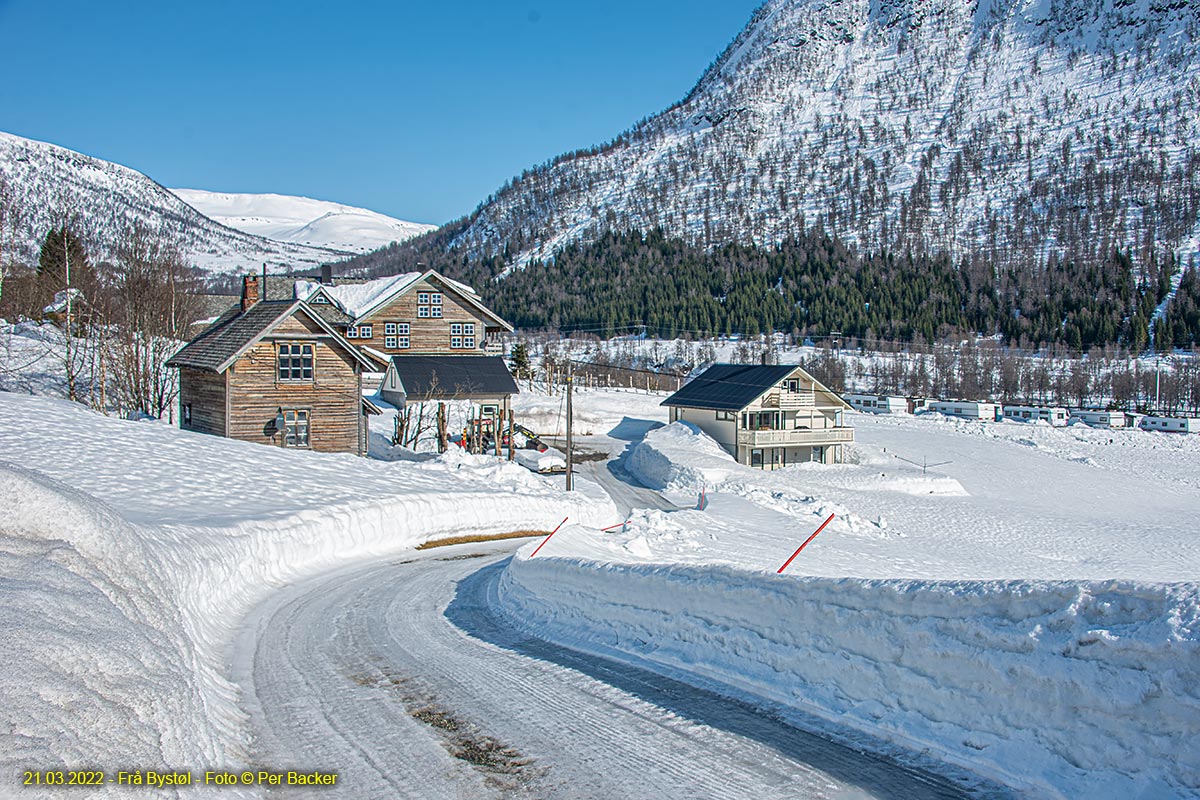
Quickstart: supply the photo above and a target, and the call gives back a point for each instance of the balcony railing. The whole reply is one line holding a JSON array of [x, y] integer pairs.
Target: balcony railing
[[798, 436], [778, 399]]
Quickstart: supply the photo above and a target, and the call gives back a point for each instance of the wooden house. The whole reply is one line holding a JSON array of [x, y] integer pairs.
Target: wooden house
[[765, 416], [417, 313], [274, 372]]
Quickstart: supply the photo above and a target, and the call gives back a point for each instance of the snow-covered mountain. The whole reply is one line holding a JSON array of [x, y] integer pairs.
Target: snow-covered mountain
[[1009, 129], [48, 184], [302, 220]]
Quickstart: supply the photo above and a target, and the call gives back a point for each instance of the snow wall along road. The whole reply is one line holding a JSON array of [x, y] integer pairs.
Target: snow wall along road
[[1060, 689], [129, 553]]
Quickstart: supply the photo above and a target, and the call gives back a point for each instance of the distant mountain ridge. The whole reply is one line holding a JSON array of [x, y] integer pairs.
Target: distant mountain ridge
[[1008, 130], [303, 220], [48, 184]]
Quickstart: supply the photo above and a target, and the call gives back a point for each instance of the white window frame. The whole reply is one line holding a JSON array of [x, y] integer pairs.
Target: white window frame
[[365, 331], [468, 328], [389, 329], [352, 332], [423, 312], [402, 342], [423, 298], [389, 342], [402, 329], [456, 343], [435, 312], [468, 342], [295, 362], [456, 329], [435, 298], [297, 427]]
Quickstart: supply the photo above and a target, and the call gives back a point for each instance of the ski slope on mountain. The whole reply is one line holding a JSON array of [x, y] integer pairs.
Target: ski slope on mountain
[[302, 220]]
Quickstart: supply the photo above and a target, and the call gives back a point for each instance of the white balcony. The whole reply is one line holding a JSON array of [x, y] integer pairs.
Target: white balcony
[[798, 437], [783, 399]]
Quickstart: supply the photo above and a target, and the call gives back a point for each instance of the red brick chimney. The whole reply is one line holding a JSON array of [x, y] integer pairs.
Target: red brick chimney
[[250, 294]]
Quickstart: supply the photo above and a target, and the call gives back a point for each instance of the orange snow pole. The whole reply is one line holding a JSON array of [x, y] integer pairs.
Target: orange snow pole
[[543, 544], [801, 547]]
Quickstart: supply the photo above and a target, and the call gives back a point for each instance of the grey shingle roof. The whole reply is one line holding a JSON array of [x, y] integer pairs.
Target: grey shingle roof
[[729, 387], [226, 337], [445, 377]]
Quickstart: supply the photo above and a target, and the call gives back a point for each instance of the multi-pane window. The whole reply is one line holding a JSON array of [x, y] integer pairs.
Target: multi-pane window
[[364, 331], [456, 329], [462, 335], [401, 342], [469, 342], [295, 428], [389, 342], [296, 362], [429, 305], [352, 332], [456, 342], [389, 329]]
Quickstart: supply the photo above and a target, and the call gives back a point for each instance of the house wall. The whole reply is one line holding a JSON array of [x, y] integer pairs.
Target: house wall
[[205, 393], [723, 431], [426, 335], [333, 397]]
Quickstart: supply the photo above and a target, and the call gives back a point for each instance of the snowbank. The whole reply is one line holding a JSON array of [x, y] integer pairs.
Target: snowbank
[[1030, 613], [1061, 689], [130, 551]]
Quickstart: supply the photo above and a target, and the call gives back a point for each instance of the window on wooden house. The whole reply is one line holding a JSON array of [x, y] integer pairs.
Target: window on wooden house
[[423, 312], [352, 332], [296, 362], [456, 342], [389, 329], [401, 342], [364, 332], [295, 427], [456, 329], [389, 342], [469, 342]]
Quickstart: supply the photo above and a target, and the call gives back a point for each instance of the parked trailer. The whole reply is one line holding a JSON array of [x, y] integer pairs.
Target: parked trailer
[[1053, 414], [877, 403], [1098, 419], [1171, 424], [965, 409]]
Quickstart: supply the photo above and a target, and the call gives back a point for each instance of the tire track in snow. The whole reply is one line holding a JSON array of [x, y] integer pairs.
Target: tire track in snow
[[364, 670]]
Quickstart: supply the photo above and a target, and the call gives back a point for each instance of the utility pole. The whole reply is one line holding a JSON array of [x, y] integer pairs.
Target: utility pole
[[570, 432]]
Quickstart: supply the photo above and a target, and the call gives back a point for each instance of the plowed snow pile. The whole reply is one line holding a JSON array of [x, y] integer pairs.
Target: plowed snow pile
[[1029, 610], [129, 552]]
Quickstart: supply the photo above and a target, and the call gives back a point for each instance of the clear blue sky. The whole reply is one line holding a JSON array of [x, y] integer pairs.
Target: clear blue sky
[[415, 110]]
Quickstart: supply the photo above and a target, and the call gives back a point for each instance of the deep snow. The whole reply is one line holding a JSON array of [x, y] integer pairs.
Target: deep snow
[[130, 550], [1029, 611]]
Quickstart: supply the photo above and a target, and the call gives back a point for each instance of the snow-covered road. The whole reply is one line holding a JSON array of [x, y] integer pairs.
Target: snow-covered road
[[400, 677]]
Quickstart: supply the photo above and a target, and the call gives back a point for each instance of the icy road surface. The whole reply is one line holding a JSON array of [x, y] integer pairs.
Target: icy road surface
[[399, 677]]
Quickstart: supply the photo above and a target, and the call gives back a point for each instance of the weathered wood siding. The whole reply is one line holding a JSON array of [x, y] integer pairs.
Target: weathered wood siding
[[426, 335], [205, 393], [333, 398]]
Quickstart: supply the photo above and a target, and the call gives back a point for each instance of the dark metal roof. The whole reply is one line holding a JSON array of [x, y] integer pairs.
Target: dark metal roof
[[729, 387], [448, 377], [229, 335]]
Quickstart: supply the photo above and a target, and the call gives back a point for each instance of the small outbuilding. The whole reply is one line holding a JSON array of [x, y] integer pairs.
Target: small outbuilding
[[484, 380], [1171, 424]]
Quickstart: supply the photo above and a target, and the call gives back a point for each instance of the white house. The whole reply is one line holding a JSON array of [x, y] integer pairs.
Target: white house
[[1098, 419], [1172, 424], [765, 416], [877, 403], [1055, 415], [965, 409]]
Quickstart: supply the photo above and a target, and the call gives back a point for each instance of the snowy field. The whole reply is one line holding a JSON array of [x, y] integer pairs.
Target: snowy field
[[130, 551], [1029, 610]]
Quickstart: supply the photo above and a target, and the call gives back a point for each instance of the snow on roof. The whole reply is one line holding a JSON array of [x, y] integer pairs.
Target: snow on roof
[[356, 299]]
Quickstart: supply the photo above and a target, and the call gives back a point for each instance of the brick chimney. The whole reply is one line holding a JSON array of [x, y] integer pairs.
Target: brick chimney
[[250, 294]]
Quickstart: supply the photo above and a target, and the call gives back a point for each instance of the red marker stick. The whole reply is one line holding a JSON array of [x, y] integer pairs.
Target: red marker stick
[[618, 525], [543, 544], [801, 547]]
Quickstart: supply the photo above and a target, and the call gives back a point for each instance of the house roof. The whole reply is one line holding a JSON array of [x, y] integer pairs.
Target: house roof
[[221, 343], [447, 377], [358, 300], [732, 387]]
